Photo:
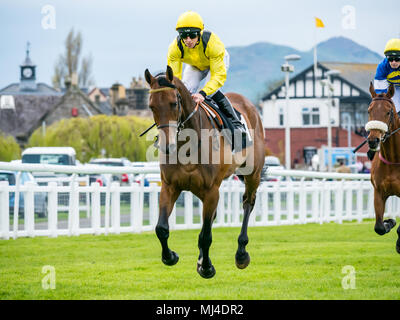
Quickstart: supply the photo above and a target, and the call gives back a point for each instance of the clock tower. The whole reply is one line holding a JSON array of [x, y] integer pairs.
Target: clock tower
[[28, 73]]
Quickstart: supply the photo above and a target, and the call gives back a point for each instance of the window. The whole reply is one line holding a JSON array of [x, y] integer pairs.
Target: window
[[281, 117], [310, 116]]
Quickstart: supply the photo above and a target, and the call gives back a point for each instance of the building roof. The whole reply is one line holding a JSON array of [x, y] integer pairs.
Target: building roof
[[359, 74], [25, 118], [14, 89]]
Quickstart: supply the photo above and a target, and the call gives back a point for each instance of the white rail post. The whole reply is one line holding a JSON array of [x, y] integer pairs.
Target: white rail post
[[235, 205], [339, 201], [115, 208], [75, 208], [349, 201], [277, 204], [137, 208], [302, 202], [322, 203], [221, 208], [315, 201], [96, 208], [153, 205], [29, 204], [290, 202], [264, 200], [360, 201], [4, 210], [188, 204], [52, 209], [107, 206], [16, 204]]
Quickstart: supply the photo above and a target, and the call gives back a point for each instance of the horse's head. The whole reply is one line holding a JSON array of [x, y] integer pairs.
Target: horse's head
[[164, 103], [381, 115]]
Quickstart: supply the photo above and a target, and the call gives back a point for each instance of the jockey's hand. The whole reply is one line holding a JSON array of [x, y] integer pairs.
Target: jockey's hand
[[197, 97]]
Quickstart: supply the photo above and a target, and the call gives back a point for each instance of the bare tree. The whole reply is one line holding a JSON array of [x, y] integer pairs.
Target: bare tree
[[85, 78], [69, 62]]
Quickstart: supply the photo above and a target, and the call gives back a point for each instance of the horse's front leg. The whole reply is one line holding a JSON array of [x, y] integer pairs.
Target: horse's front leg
[[242, 258], [168, 196], [204, 265], [381, 226]]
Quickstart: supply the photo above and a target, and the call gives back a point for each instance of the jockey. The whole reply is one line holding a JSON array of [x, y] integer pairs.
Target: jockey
[[205, 57], [388, 72]]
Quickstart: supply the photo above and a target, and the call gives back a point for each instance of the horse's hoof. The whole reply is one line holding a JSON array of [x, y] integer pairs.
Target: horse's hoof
[[206, 273], [242, 261], [390, 222], [173, 259]]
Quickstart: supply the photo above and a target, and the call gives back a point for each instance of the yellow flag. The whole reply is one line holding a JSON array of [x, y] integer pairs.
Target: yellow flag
[[319, 23]]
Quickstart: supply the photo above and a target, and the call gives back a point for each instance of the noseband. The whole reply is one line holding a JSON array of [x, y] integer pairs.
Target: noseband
[[379, 125]]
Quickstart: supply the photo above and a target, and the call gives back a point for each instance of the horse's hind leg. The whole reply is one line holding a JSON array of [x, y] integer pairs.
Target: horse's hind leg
[[242, 258], [168, 196], [381, 226], [204, 265]]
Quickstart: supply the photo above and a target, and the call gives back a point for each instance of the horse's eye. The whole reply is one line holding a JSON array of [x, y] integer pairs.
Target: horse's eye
[[174, 104]]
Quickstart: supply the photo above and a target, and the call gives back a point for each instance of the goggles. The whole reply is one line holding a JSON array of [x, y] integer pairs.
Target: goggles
[[191, 35], [393, 58]]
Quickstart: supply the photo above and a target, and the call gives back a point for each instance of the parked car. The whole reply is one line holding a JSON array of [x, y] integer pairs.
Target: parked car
[[40, 198], [123, 179], [271, 161], [50, 155]]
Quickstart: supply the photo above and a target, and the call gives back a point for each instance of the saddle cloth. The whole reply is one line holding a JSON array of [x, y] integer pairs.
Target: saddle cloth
[[222, 122]]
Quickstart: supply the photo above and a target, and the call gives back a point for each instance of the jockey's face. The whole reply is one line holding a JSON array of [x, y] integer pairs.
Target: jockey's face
[[190, 43], [395, 64]]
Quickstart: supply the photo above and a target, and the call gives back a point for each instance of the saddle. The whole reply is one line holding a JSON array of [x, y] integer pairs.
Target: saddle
[[217, 117]]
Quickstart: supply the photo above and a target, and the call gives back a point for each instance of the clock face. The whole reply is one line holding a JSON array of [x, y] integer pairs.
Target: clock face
[[27, 72]]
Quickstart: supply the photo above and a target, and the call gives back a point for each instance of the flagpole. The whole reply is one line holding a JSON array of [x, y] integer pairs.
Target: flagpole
[[315, 51]]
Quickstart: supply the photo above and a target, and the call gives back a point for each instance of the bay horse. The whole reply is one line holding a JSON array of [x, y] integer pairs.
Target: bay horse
[[173, 110], [383, 126]]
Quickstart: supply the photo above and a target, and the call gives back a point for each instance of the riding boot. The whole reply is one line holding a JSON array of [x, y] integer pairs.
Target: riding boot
[[370, 154], [226, 107]]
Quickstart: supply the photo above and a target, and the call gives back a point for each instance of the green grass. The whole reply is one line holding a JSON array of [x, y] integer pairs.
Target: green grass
[[287, 262]]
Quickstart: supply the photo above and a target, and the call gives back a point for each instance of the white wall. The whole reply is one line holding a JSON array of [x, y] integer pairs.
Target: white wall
[[271, 110]]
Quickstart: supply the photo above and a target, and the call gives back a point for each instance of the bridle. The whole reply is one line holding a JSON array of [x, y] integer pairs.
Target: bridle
[[180, 123], [385, 127]]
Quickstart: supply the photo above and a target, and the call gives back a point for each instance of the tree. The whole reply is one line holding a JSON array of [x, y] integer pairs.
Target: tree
[[92, 137], [68, 63], [9, 148]]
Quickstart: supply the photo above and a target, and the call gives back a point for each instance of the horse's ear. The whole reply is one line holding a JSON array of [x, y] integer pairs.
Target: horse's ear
[[169, 73], [372, 90], [390, 92], [147, 75]]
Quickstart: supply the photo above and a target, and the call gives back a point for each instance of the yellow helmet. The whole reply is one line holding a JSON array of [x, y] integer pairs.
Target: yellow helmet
[[392, 47], [190, 19]]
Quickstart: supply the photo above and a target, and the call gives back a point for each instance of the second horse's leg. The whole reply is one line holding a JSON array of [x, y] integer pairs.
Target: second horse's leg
[[381, 226]]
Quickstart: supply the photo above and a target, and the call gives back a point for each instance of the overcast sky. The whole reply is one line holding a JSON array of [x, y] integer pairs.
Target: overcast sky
[[126, 37]]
